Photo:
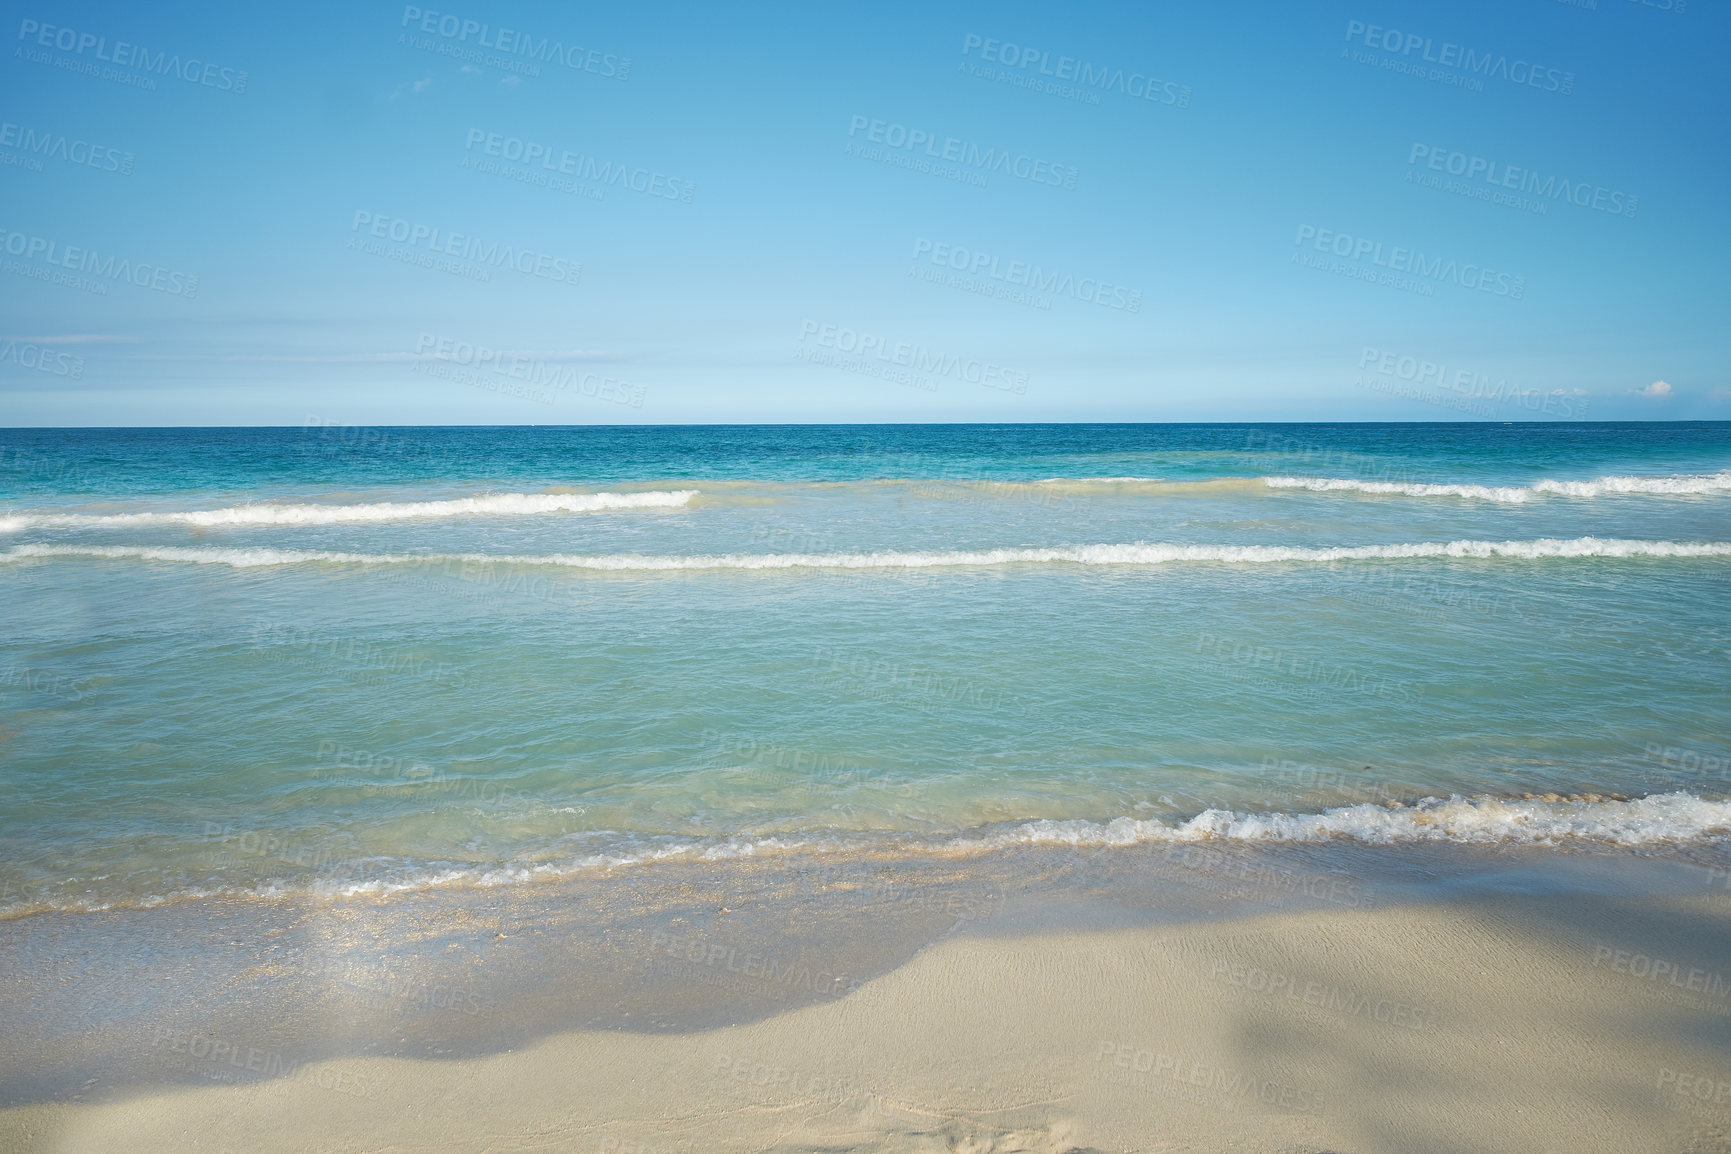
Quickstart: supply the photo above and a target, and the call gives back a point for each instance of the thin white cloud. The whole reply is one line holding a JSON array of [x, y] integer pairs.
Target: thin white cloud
[[370, 358], [1658, 389]]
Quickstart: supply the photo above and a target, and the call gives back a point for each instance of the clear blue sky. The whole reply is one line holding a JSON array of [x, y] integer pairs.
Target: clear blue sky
[[1299, 212]]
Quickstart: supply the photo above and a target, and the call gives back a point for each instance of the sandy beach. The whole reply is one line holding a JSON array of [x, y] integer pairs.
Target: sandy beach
[[1569, 1023]]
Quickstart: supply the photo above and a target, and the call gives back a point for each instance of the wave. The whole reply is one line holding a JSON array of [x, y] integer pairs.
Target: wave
[[1661, 817], [496, 504], [1671, 486], [381, 877], [1137, 554], [1674, 818]]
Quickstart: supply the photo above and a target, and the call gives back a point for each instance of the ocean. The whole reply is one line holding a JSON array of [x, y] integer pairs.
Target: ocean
[[330, 662]]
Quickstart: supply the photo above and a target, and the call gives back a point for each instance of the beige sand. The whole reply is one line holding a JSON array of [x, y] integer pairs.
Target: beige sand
[[1535, 1025]]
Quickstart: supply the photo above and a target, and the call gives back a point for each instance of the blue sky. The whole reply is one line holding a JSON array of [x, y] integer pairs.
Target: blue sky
[[1357, 211]]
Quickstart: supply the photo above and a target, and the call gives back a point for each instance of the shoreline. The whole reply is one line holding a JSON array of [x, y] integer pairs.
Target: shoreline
[[244, 862], [131, 1004], [1504, 1021]]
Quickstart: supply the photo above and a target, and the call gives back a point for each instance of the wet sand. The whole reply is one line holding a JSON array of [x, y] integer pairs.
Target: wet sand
[[1523, 1004]]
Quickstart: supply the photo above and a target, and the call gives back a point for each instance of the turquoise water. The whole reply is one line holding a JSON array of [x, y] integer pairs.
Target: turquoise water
[[333, 660]]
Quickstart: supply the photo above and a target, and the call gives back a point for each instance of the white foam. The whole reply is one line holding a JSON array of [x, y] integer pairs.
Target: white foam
[[1671, 486], [1105, 481], [236, 516], [1675, 818], [1478, 820], [389, 876], [1136, 554], [634, 852]]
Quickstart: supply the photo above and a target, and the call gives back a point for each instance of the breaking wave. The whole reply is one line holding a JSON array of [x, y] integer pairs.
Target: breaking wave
[[1480, 820], [496, 504], [1677, 817], [1136, 554], [1671, 486]]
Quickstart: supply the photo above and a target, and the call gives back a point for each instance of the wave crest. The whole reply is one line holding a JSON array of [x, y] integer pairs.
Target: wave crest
[[495, 504], [1136, 554], [1677, 817], [1671, 486], [1660, 817]]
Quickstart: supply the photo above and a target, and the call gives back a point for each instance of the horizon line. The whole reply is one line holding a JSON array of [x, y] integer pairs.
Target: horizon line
[[838, 425]]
